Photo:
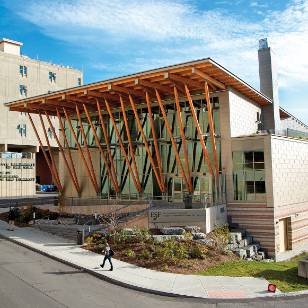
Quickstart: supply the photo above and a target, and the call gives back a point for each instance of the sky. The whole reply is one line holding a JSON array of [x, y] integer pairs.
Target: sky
[[112, 38]]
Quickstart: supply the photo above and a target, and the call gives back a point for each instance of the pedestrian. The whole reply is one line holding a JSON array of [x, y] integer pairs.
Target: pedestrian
[[108, 254], [11, 217]]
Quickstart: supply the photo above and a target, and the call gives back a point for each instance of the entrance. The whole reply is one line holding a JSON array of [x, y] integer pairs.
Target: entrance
[[284, 234]]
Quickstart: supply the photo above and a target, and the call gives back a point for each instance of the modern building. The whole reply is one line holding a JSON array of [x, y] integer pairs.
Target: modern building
[[21, 162], [187, 131]]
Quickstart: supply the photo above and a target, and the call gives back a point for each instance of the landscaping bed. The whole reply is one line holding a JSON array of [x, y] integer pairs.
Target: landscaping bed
[[283, 274], [183, 255]]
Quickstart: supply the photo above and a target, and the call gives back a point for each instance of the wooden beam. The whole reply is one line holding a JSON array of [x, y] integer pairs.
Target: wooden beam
[[208, 78], [115, 184], [153, 85], [124, 90], [66, 144], [193, 112], [181, 127], [107, 142], [136, 180], [84, 137], [129, 137], [177, 156], [145, 142], [44, 153], [94, 183], [53, 162], [212, 129], [73, 178], [183, 80], [158, 158]]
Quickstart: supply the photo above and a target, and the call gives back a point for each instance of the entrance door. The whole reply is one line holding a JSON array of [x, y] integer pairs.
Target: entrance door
[[283, 234]]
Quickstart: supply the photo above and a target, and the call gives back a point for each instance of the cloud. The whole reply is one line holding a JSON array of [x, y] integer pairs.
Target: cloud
[[149, 33]]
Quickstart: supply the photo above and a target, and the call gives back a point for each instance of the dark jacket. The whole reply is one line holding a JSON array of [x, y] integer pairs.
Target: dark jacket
[[12, 215]]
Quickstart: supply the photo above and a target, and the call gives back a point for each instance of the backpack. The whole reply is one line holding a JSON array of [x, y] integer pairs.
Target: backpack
[[111, 252]]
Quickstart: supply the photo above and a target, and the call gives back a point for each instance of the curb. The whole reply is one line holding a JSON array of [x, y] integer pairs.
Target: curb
[[278, 297]]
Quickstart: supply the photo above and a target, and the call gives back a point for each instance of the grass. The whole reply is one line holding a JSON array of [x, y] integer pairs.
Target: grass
[[283, 274]]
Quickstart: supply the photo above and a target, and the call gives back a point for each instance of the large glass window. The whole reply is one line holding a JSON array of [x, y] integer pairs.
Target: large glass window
[[249, 176]]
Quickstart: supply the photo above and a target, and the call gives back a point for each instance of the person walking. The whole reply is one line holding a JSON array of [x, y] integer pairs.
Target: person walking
[[108, 254], [11, 218]]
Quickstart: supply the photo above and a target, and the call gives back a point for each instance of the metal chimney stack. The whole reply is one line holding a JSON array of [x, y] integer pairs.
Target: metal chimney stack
[[269, 86]]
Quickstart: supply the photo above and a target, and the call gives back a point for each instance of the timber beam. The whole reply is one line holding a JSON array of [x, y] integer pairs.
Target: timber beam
[[208, 78]]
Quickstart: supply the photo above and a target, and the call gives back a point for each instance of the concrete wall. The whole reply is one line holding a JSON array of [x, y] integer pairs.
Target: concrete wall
[[290, 189], [85, 183], [243, 115], [17, 177]]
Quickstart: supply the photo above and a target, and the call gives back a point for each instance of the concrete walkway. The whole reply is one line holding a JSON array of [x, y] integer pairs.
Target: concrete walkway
[[135, 277]]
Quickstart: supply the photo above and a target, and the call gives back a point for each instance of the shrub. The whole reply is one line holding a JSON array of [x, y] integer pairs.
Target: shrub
[[220, 237], [171, 250], [144, 254], [25, 216], [198, 251], [130, 253], [96, 239]]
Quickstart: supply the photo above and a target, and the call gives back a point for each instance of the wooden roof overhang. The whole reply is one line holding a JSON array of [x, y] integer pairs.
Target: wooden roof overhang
[[193, 74]]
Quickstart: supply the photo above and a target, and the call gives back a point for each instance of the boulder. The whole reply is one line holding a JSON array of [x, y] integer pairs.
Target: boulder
[[198, 236], [192, 229], [162, 238], [172, 231]]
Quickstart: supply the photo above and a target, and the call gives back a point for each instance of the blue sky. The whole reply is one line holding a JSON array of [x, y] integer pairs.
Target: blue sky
[[112, 38]]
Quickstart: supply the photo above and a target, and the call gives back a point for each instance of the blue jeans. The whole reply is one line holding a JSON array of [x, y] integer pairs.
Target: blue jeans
[[109, 259]]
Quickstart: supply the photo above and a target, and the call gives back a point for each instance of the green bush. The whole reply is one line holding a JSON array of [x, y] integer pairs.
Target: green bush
[[96, 239], [130, 253], [144, 254], [198, 251], [220, 237], [171, 250]]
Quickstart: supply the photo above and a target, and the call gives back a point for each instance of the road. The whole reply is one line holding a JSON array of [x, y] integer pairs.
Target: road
[[30, 280]]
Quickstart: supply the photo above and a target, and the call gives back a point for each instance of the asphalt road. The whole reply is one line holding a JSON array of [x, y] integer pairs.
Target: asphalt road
[[30, 280]]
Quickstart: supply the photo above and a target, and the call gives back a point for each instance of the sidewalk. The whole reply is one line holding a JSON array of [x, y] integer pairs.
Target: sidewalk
[[135, 277]]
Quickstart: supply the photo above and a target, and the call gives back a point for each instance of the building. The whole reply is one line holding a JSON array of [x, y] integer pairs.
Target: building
[[21, 77], [187, 132]]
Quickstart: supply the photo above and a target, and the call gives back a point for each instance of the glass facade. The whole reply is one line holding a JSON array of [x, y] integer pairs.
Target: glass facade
[[249, 176], [175, 183]]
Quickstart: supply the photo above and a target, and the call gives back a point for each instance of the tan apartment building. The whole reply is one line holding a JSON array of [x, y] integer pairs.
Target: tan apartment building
[[21, 161]]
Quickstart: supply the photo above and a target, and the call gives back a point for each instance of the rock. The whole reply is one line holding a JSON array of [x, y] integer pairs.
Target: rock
[[208, 242], [242, 253], [172, 231], [198, 236], [162, 238], [244, 242], [235, 237], [192, 229], [232, 247]]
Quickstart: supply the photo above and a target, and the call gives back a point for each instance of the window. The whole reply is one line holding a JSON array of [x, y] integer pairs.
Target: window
[[22, 130], [79, 81], [249, 176], [23, 90], [52, 77], [23, 71], [49, 133]]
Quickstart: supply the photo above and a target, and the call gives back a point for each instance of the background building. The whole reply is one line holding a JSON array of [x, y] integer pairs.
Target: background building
[[22, 77], [192, 131]]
